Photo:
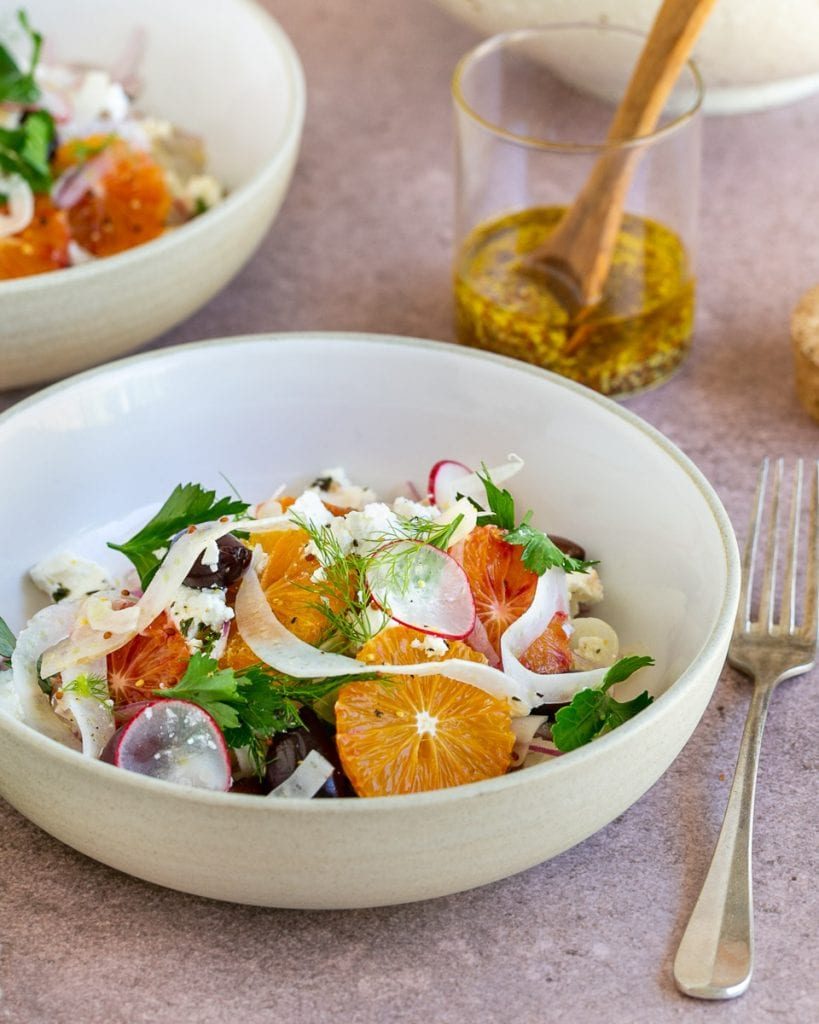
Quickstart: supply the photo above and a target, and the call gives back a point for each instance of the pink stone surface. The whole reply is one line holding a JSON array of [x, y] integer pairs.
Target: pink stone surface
[[363, 243]]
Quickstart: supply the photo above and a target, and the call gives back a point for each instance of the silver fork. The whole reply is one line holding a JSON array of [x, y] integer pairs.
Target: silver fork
[[716, 955]]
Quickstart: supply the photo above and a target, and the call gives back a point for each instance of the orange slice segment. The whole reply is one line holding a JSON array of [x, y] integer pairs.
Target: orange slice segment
[[41, 247], [154, 659], [400, 645], [419, 734], [128, 206], [501, 584], [551, 651]]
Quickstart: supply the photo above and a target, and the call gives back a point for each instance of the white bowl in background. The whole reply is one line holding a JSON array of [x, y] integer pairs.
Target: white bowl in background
[[276, 409], [224, 70], [753, 54]]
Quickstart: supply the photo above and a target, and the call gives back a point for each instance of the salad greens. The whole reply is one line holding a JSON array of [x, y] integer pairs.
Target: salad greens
[[188, 505], [7, 641], [251, 704], [594, 712], [17, 85], [539, 552]]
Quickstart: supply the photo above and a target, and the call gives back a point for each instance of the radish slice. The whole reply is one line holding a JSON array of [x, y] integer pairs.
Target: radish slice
[[449, 479], [307, 779], [276, 646], [478, 640], [173, 740], [424, 588], [551, 596], [44, 629], [441, 478]]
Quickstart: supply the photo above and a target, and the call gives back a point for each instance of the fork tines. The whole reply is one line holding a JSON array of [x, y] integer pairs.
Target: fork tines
[[773, 590]]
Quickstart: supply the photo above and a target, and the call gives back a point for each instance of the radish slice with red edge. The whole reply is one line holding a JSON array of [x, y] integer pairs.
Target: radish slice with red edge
[[173, 740], [422, 587], [441, 478], [448, 479]]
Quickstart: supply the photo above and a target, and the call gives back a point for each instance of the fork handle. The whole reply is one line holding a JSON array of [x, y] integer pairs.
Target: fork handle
[[715, 957]]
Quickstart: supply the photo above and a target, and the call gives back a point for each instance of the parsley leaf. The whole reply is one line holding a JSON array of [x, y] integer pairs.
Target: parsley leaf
[[540, 553], [7, 641], [16, 85], [250, 705], [188, 505], [24, 151], [594, 712]]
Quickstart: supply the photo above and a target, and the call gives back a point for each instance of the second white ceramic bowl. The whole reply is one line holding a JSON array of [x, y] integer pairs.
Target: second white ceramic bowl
[[279, 409], [223, 70]]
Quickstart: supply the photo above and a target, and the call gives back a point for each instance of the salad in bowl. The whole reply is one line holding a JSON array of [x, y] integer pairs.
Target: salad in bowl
[[324, 642], [84, 174]]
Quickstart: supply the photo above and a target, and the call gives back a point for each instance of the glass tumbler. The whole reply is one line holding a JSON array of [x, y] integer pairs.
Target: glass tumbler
[[533, 110]]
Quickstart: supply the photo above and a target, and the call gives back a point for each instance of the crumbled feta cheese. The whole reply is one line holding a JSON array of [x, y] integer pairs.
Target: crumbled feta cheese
[[65, 575], [157, 129], [335, 486], [310, 508], [408, 509], [200, 616], [584, 588], [361, 532], [432, 646], [201, 190]]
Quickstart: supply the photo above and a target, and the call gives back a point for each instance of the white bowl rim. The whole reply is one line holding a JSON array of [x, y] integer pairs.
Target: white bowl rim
[[224, 209], [676, 693]]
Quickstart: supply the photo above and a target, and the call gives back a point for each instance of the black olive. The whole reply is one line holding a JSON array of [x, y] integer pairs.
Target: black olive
[[568, 547], [549, 710], [289, 749], [234, 558]]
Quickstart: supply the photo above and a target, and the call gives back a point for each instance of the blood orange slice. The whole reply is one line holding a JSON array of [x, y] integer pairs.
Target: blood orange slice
[[501, 584], [41, 247], [551, 652], [154, 659], [129, 204], [419, 734]]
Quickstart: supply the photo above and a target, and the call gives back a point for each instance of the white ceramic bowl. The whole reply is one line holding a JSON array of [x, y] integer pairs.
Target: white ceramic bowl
[[223, 70], [753, 54], [265, 410]]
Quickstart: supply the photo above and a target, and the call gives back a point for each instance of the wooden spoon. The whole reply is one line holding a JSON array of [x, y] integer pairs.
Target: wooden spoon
[[574, 261]]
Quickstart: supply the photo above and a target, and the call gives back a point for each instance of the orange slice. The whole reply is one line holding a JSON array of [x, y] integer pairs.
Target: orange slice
[[128, 206], [400, 645], [154, 659], [420, 733], [501, 584], [41, 247], [551, 651]]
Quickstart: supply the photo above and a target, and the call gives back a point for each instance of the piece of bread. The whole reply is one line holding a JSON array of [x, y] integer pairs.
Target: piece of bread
[[805, 337]]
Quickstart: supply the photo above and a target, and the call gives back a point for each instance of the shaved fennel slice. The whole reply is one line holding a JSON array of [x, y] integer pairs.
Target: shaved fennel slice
[[92, 716], [85, 643], [464, 508], [306, 780], [551, 595], [276, 646], [471, 485], [524, 730], [44, 629]]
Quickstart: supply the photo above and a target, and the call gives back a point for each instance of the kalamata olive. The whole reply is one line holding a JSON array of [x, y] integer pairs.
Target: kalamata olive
[[251, 785], [234, 558], [549, 710], [289, 749], [568, 547]]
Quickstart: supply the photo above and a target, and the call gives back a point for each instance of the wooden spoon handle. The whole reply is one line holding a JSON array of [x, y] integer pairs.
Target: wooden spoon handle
[[583, 242], [669, 43]]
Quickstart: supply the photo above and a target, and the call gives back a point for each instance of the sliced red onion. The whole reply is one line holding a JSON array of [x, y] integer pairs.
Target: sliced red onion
[[20, 202], [524, 730], [74, 183]]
